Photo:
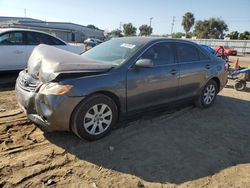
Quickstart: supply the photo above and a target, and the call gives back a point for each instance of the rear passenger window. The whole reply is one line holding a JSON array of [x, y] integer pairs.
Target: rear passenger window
[[160, 54], [187, 53], [40, 38], [34, 38], [55, 41], [203, 56], [31, 39]]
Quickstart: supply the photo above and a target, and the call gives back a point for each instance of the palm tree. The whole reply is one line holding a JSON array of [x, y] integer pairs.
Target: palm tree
[[187, 22]]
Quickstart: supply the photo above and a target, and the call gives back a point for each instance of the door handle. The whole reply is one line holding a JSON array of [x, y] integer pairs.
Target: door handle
[[207, 66], [18, 52], [173, 72]]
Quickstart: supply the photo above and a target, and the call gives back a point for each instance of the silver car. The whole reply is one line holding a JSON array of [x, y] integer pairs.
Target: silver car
[[89, 93], [16, 45]]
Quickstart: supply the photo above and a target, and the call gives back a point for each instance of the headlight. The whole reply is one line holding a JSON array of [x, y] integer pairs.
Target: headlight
[[54, 89]]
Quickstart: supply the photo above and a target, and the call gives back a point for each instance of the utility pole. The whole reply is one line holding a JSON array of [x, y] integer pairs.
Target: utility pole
[[150, 21], [121, 26], [172, 25], [25, 12]]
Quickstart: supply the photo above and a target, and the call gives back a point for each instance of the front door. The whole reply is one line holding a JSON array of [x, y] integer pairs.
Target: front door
[[148, 87], [12, 51]]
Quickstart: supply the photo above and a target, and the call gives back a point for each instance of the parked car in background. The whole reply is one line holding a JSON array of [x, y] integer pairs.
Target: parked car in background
[[92, 42], [216, 53], [228, 51], [16, 46], [89, 93]]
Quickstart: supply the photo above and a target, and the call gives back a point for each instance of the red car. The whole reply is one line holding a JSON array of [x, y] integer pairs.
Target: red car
[[227, 51]]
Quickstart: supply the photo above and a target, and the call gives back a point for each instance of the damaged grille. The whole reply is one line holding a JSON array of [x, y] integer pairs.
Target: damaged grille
[[27, 82]]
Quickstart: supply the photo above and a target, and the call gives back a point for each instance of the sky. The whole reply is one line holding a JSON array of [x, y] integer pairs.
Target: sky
[[110, 14]]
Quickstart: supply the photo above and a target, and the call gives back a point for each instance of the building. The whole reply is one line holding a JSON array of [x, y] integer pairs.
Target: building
[[69, 32]]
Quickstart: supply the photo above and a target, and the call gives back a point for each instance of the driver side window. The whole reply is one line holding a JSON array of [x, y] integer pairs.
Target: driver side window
[[161, 54], [12, 38]]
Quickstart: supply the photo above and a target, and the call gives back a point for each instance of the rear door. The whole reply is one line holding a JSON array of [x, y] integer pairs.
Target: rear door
[[12, 51], [35, 38], [194, 68], [148, 87]]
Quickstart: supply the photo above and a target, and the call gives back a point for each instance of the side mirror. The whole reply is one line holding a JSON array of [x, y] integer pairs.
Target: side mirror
[[145, 63]]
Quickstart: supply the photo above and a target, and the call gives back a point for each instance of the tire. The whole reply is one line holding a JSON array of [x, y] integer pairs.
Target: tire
[[95, 117], [240, 85], [207, 95]]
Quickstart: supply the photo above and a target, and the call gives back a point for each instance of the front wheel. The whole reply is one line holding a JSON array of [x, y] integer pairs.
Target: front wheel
[[95, 117], [207, 95]]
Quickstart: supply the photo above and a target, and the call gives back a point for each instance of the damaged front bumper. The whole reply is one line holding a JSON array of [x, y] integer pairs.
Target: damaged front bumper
[[50, 112]]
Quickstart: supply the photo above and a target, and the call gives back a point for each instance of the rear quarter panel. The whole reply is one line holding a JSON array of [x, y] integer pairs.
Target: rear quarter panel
[[218, 71]]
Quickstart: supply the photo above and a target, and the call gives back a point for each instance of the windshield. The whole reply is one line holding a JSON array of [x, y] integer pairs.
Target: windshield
[[115, 51]]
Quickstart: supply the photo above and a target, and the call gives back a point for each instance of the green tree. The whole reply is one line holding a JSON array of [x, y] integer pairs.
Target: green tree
[[115, 33], [92, 26], [201, 29], [233, 35], [245, 35], [145, 30], [212, 28], [129, 29], [217, 28], [178, 35], [188, 22]]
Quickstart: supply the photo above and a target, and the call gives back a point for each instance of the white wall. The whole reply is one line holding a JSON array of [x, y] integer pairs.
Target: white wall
[[242, 46]]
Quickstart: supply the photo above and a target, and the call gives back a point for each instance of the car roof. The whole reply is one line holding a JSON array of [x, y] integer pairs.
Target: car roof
[[145, 40], [2, 30], [19, 29]]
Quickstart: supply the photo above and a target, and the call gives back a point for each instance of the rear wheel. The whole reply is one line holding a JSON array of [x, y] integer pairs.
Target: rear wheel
[[207, 95], [95, 117], [240, 85]]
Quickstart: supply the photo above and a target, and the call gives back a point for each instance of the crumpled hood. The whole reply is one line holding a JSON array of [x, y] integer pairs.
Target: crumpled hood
[[47, 62]]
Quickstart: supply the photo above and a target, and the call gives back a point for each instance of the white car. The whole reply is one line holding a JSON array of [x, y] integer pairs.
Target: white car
[[16, 45]]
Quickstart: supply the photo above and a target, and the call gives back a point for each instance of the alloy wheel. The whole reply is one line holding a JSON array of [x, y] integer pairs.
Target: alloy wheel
[[97, 119], [209, 94]]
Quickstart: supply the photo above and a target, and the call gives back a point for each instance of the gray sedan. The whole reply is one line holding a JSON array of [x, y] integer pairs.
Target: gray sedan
[[89, 93]]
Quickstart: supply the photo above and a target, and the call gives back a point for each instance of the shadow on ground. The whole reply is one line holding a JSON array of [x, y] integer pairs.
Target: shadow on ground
[[247, 89], [8, 80], [174, 148]]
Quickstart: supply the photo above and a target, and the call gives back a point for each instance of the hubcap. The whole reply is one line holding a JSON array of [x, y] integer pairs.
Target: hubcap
[[97, 119], [209, 94]]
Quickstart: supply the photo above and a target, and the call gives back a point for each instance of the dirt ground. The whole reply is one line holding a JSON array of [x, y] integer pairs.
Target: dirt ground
[[186, 148], [244, 60]]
